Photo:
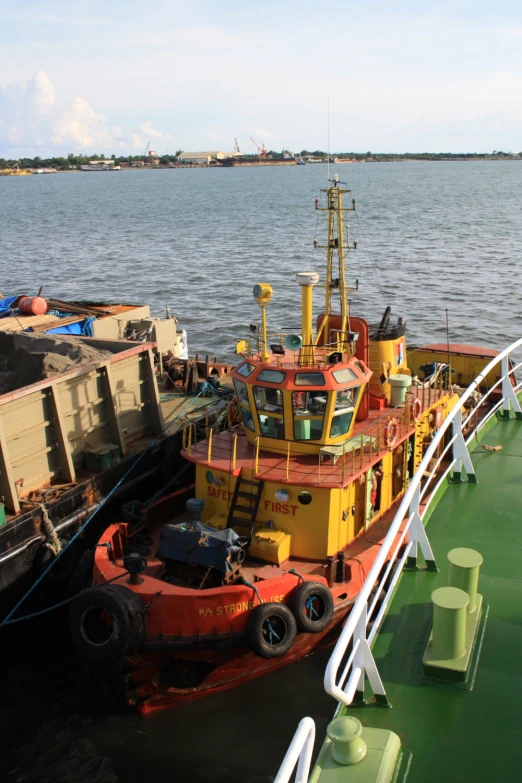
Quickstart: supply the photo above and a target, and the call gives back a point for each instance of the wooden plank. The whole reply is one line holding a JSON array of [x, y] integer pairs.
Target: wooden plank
[[62, 441], [112, 414], [55, 323], [7, 484]]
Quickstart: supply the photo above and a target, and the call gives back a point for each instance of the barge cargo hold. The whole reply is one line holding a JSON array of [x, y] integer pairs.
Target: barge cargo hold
[[67, 440]]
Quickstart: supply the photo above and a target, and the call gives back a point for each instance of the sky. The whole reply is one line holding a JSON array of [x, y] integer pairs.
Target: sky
[[86, 76]]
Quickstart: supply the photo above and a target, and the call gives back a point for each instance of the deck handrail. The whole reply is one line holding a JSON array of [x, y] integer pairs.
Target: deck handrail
[[299, 752], [408, 519]]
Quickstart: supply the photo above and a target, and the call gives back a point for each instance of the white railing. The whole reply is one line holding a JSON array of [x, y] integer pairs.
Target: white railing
[[360, 661], [300, 753], [381, 580]]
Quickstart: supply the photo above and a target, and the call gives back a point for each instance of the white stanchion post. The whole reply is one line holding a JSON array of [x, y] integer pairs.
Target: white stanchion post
[[508, 392], [417, 535], [460, 451]]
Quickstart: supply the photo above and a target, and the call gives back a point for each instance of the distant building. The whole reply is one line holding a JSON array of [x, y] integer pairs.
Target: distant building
[[206, 158]]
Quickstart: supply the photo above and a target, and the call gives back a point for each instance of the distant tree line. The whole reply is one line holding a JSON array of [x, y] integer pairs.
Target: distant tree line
[[73, 161]]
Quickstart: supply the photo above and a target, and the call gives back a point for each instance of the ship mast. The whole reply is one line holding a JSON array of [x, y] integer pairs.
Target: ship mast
[[335, 263]]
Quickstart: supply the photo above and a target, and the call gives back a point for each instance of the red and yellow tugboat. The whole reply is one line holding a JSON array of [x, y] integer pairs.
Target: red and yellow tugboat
[[291, 504]]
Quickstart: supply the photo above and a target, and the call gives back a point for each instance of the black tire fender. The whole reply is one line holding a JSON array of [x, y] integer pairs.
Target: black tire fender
[[66, 563], [313, 606], [271, 630], [106, 622], [82, 573]]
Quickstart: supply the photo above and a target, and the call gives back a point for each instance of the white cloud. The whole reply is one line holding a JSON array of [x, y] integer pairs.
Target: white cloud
[[264, 135], [212, 135], [30, 118], [80, 127], [150, 132], [509, 30]]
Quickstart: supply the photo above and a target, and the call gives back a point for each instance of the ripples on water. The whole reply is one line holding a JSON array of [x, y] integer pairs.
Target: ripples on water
[[441, 235]]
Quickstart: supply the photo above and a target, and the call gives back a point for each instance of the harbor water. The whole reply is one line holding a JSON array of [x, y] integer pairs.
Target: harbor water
[[431, 238]]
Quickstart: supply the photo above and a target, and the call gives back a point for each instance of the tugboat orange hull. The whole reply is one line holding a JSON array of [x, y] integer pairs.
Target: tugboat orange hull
[[232, 668]]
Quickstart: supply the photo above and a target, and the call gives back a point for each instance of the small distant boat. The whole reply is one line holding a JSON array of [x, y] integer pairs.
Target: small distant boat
[[301, 162], [316, 160]]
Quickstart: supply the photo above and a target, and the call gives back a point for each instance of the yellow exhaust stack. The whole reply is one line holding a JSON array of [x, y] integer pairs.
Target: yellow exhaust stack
[[307, 280]]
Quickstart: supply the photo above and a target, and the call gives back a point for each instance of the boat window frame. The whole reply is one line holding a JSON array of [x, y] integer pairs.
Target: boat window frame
[[348, 410], [241, 372], [310, 416], [244, 404], [282, 373], [299, 375], [277, 413], [354, 376]]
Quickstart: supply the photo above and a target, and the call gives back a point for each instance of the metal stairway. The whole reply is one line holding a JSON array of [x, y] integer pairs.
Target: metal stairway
[[249, 490]]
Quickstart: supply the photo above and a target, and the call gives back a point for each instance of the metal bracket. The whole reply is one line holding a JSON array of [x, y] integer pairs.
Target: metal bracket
[[417, 535], [461, 453], [508, 393], [365, 661]]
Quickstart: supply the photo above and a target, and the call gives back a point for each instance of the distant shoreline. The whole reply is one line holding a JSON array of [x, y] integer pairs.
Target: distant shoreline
[[264, 163]]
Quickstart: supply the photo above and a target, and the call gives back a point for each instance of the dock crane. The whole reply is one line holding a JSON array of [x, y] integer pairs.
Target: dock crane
[[262, 152]]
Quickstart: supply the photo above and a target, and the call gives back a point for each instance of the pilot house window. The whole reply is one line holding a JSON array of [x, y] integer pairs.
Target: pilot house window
[[345, 402], [269, 405], [309, 408], [244, 404]]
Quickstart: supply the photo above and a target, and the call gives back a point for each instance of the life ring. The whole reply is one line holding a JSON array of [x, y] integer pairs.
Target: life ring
[[391, 432], [312, 605], [106, 622], [234, 415], [415, 409], [271, 630]]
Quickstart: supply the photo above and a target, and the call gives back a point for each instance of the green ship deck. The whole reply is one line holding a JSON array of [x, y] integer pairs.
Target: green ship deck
[[460, 732]]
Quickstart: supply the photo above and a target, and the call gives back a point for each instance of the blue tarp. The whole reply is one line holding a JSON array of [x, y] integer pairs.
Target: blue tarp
[[70, 329], [6, 305]]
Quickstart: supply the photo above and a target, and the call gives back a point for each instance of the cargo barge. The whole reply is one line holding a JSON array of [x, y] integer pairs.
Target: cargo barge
[[68, 439]]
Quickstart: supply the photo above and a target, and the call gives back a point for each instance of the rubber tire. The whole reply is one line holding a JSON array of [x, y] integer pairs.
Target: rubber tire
[[128, 624], [82, 574], [65, 567], [297, 603], [255, 630]]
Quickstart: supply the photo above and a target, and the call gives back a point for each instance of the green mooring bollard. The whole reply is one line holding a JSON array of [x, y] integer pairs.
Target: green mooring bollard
[[348, 746], [449, 622], [464, 572]]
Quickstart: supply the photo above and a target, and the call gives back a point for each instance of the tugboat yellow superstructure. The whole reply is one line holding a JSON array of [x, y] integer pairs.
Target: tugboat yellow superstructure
[[319, 430], [292, 502]]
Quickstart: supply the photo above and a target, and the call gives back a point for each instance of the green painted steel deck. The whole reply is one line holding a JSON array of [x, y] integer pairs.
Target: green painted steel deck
[[461, 732]]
